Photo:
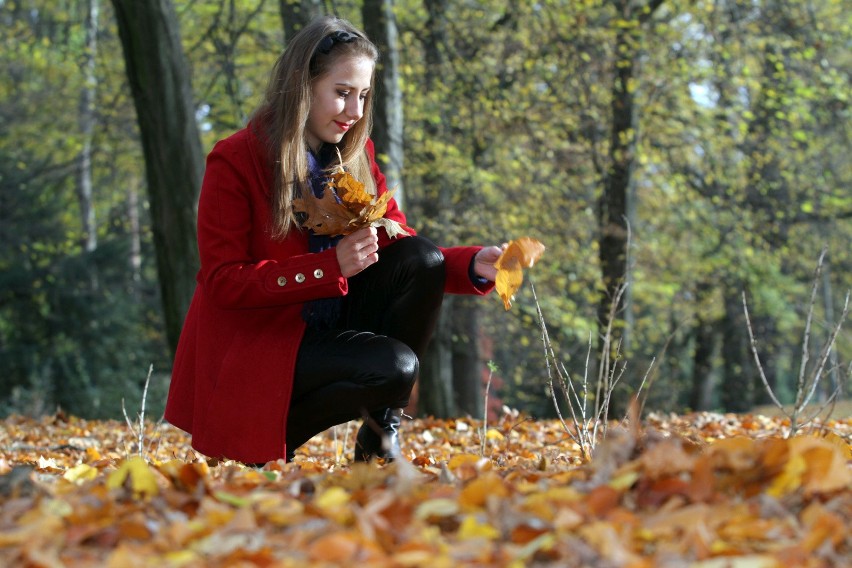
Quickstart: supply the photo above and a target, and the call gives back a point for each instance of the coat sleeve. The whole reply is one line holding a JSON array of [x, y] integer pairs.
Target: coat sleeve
[[232, 210], [458, 259]]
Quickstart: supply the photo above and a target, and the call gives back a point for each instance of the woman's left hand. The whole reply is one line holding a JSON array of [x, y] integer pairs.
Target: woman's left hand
[[483, 262]]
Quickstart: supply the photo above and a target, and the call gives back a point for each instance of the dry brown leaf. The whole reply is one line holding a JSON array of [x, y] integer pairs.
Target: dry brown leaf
[[372, 212], [759, 499], [350, 190], [345, 207], [325, 216], [521, 253]]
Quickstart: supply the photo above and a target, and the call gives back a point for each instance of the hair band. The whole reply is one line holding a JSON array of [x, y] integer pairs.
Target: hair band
[[329, 41]]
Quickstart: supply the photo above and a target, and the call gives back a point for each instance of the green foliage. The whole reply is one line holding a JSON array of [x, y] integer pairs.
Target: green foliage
[[739, 162], [74, 331], [742, 174], [77, 330]]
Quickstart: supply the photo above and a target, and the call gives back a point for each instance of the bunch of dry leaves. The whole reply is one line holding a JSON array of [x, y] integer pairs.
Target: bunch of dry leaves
[[345, 206], [700, 490]]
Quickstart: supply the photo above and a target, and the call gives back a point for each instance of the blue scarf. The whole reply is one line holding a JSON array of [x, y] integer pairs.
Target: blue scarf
[[324, 312]]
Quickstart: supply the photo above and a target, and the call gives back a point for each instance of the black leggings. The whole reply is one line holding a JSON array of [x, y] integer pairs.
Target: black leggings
[[371, 360]]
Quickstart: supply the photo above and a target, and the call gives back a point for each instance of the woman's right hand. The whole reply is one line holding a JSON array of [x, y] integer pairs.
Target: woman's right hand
[[357, 251]]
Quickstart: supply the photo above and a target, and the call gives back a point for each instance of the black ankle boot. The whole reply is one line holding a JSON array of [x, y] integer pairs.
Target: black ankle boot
[[378, 437]]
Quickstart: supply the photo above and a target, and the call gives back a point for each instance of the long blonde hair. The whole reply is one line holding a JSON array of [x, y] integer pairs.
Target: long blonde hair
[[283, 114]]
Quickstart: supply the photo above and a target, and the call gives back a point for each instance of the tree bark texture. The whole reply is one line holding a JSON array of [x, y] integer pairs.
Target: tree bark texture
[[467, 367], [701, 395], [295, 14], [737, 394], [159, 80], [88, 119], [614, 209], [380, 26], [435, 388], [436, 370]]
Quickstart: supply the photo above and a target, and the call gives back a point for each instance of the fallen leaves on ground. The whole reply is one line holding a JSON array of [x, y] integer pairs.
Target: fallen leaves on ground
[[702, 490]]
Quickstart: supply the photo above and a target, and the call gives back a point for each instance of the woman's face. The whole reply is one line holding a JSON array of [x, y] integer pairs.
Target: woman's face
[[338, 100]]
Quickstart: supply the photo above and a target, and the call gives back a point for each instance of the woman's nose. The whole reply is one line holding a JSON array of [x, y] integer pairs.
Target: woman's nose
[[354, 108]]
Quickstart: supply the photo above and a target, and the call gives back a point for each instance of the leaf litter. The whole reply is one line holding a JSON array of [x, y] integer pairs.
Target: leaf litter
[[700, 490]]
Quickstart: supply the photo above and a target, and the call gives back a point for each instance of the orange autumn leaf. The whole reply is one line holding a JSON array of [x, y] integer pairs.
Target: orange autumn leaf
[[325, 216], [350, 190], [478, 491], [521, 253], [675, 499], [344, 548], [822, 525], [816, 465], [372, 212], [345, 207], [135, 475]]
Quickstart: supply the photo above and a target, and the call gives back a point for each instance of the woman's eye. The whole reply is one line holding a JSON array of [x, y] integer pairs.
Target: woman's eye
[[343, 94]]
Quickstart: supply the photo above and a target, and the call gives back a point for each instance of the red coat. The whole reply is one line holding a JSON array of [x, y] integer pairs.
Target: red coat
[[233, 371]]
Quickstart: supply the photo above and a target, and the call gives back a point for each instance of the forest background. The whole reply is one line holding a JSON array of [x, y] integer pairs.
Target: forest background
[[692, 150]]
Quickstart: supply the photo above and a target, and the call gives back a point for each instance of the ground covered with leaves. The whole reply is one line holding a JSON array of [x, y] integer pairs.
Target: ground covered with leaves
[[699, 490]]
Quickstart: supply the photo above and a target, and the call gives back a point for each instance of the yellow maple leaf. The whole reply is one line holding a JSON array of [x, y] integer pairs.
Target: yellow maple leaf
[[350, 190], [136, 475], [81, 473], [521, 253], [472, 528]]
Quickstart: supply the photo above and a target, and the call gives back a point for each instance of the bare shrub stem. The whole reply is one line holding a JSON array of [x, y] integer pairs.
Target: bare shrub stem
[[138, 431], [805, 385]]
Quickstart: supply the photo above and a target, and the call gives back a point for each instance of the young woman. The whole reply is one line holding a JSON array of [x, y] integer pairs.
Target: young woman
[[290, 332]]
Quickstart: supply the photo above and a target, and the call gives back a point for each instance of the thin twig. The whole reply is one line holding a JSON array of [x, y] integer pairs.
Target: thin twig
[[800, 383], [545, 339], [826, 352], [491, 367], [140, 433], [605, 374], [832, 400], [753, 344], [805, 386], [640, 405], [550, 365], [142, 412]]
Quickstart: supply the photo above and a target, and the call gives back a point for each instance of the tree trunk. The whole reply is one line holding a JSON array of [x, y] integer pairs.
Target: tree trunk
[[435, 389], [436, 369], [295, 14], [614, 207], [135, 233], [380, 26], [701, 396], [737, 394], [159, 79], [85, 192], [467, 366]]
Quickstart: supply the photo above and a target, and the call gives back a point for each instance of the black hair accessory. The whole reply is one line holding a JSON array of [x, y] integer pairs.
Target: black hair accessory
[[333, 38]]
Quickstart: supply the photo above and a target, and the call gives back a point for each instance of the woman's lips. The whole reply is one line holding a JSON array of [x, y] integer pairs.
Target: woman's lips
[[342, 125]]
